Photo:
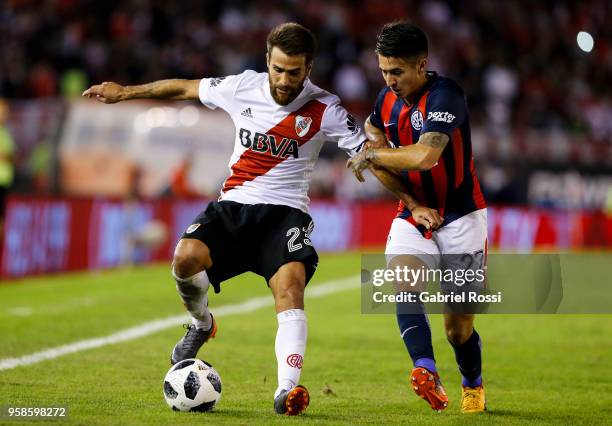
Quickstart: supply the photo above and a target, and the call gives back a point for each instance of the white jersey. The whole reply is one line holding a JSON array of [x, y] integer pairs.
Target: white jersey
[[276, 146]]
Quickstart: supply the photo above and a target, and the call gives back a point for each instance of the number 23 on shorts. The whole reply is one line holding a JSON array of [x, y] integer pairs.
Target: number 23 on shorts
[[294, 234]]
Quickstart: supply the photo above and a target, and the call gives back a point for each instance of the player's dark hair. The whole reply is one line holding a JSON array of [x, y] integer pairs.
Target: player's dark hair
[[293, 39], [401, 39]]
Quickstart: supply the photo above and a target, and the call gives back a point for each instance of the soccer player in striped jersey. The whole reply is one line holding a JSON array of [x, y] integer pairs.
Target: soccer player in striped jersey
[[422, 120]]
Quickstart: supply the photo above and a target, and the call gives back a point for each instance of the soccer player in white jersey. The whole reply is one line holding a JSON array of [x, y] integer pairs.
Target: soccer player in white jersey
[[261, 222]]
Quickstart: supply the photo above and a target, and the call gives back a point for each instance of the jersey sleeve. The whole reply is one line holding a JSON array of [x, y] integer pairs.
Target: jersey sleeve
[[340, 126], [375, 117], [218, 92], [446, 110]]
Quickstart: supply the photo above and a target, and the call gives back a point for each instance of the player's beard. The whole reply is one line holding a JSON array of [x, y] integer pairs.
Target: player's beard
[[290, 93]]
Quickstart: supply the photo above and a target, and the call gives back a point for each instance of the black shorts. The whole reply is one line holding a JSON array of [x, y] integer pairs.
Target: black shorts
[[253, 237]]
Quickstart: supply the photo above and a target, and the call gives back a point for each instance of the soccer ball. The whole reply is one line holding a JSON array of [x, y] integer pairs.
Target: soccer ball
[[192, 385]]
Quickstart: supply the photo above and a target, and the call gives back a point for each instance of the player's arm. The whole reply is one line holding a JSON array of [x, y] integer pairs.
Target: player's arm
[[174, 89], [421, 156], [378, 139], [430, 218], [375, 135], [352, 140]]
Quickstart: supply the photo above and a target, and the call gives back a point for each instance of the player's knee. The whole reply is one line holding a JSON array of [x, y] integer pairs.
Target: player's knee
[[294, 291], [185, 265], [190, 258], [288, 285], [289, 288], [458, 334]]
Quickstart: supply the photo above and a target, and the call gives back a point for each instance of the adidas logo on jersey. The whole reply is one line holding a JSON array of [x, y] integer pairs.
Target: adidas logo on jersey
[[247, 113]]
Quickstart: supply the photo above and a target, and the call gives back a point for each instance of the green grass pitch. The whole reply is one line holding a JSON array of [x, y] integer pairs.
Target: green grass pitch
[[546, 369]]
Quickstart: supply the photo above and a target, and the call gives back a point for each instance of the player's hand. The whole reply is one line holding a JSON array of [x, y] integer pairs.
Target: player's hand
[[358, 164], [379, 142], [429, 218], [107, 92]]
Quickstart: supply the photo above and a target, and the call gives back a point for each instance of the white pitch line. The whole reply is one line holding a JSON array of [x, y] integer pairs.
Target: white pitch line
[[151, 327]]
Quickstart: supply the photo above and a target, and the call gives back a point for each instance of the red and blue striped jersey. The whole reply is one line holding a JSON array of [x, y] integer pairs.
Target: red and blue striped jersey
[[451, 186]]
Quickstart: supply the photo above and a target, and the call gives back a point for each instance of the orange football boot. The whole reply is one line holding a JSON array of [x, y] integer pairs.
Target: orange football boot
[[427, 385]]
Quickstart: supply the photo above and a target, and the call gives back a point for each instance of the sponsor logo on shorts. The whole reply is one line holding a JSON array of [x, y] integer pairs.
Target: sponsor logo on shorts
[[192, 228], [417, 120], [295, 360], [302, 125]]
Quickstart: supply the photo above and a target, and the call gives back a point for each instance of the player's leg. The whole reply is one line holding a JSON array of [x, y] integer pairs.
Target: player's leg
[[463, 244], [287, 260], [287, 286], [416, 335], [205, 256], [466, 343], [189, 265], [407, 247], [189, 268], [412, 319]]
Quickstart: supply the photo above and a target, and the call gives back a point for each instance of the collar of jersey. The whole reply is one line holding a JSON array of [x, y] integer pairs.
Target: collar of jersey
[[431, 77]]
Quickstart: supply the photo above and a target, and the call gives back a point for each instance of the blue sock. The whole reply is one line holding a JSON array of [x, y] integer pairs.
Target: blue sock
[[428, 363], [415, 331], [469, 360]]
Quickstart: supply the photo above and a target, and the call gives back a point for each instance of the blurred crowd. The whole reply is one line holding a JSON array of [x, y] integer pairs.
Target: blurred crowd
[[518, 61]]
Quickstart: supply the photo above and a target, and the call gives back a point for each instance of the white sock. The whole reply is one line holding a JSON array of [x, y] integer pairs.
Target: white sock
[[194, 292], [290, 347]]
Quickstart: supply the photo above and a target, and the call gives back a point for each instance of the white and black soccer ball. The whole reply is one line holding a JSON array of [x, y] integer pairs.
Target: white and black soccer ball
[[192, 385]]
